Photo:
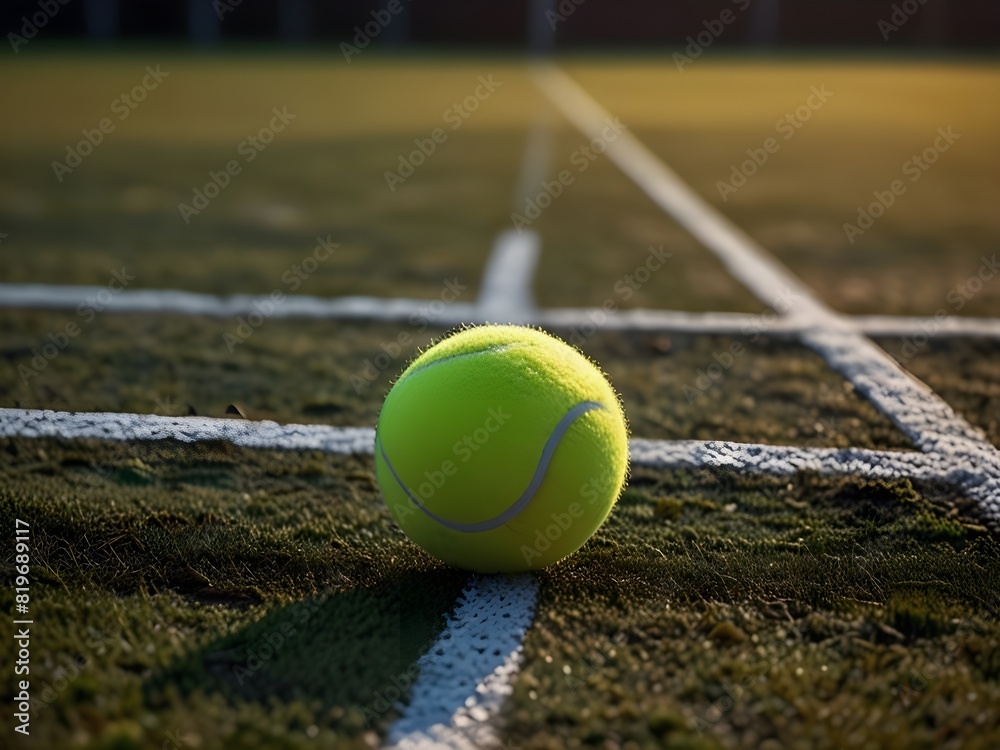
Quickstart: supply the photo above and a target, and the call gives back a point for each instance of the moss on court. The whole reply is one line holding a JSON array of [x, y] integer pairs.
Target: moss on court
[[674, 387], [120, 209], [163, 569]]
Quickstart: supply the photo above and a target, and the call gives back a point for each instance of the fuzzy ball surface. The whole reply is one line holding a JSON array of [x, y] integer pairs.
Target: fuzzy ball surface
[[501, 449]]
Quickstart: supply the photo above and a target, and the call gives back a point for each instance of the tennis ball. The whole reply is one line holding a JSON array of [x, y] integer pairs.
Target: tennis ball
[[501, 449]]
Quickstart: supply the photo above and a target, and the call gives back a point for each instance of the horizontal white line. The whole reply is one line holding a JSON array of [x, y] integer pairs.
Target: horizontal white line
[[749, 458], [267, 435], [890, 326], [735, 323], [126, 427], [668, 321], [783, 460], [69, 297]]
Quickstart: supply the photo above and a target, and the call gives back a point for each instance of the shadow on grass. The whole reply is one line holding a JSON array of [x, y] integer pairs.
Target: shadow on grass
[[356, 648]]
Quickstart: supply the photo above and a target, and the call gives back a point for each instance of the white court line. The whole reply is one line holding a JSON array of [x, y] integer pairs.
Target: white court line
[[263, 435], [735, 324], [68, 297], [898, 326], [468, 673], [770, 281], [167, 301], [669, 321], [926, 419], [505, 296], [744, 458]]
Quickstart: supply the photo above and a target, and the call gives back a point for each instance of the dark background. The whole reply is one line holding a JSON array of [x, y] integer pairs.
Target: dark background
[[499, 23]]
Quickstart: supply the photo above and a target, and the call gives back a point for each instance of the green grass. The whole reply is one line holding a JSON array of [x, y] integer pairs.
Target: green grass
[[161, 570], [719, 612], [702, 120], [710, 611], [324, 175], [315, 371], [173, 565]]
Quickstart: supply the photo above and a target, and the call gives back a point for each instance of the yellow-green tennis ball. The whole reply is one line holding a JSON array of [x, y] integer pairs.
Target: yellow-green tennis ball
[[501, 449]]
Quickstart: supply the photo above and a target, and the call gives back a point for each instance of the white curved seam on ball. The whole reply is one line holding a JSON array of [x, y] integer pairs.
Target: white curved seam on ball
[[460, 355], [514, 510]]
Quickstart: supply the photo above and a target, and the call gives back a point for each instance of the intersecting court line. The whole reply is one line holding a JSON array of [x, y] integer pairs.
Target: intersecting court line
[[922, 415]]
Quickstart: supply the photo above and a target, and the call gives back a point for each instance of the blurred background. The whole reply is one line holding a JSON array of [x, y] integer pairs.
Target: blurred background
[[935, 23]]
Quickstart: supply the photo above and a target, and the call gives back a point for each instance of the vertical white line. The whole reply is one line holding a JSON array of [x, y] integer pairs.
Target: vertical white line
[[506, 296], [468, 673]]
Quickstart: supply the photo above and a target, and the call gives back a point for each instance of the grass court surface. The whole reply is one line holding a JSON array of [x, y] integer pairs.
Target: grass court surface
[[713, 610]]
